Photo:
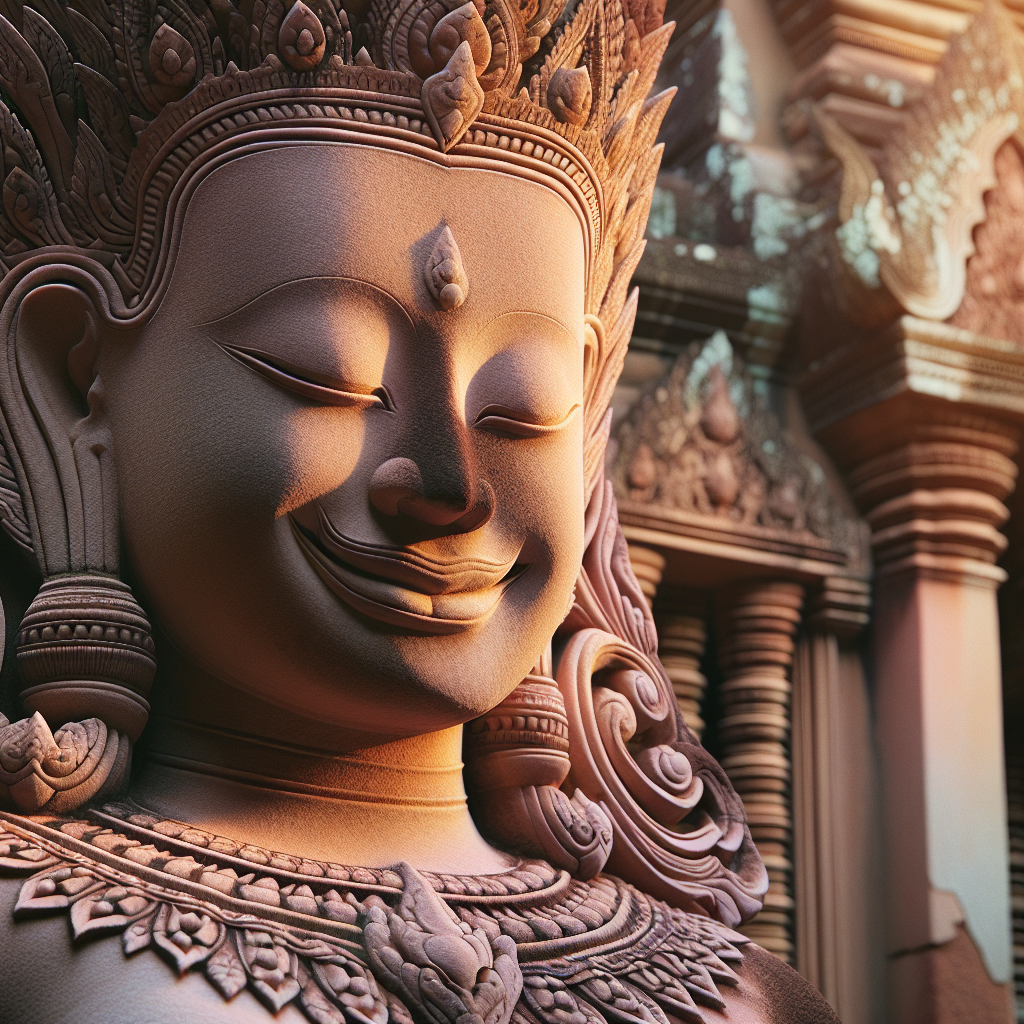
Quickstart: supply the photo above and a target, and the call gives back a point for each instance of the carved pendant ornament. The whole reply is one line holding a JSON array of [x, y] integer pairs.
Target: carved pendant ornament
[[368, 946]]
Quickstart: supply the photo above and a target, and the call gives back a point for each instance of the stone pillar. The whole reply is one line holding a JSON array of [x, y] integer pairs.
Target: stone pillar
[[1015, 810], [648, 565], [682, 634], [837, 611], [933, 500], [757, 622]]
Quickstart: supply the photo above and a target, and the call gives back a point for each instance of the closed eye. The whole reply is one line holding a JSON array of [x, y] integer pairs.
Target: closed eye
[[288, 377], [507, 423]]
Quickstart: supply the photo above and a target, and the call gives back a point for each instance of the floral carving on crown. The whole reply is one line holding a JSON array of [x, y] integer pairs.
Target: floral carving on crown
[[544, 82]]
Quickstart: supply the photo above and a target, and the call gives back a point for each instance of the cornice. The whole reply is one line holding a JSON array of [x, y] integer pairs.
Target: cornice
[[799, 556], [688, 290], [914, 358]]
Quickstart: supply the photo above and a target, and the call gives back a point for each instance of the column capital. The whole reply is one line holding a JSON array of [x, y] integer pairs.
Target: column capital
[[890, 386], [840, 606], [929, 465], [934, 501]]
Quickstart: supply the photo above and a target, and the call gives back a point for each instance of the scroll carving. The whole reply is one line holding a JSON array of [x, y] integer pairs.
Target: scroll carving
[[60, 771], [906, 223], [630, 752]]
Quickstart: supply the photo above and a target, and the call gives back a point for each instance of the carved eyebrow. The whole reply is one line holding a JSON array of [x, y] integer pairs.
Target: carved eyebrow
[[533, 313], [391, 299]]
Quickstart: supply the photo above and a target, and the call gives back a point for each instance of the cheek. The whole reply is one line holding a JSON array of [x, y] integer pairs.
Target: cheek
[[205, 448], [323, 447], [539, 486]]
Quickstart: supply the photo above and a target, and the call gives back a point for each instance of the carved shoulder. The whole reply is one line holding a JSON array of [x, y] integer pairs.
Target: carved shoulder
[[48, 979]]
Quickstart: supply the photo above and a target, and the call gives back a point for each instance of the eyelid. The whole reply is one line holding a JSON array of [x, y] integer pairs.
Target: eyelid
[[277, 374], [501, 420]]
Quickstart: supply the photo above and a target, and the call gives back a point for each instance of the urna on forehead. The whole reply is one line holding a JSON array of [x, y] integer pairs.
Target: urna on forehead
[[544, 91]]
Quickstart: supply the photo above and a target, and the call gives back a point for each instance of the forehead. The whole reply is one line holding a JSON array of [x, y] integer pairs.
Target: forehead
[[344, 210]]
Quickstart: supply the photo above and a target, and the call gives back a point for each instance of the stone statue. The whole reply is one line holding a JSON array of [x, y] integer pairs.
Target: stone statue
[[310, 320]]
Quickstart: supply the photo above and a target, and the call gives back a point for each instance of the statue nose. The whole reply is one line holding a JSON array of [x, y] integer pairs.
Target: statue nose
[[397, 488]]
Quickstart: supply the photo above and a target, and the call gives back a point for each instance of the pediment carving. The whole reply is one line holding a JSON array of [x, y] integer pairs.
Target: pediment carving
[[993, 302], [704, 441]]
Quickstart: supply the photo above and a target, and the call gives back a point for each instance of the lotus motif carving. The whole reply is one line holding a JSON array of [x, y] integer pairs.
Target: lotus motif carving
[[445, 971]]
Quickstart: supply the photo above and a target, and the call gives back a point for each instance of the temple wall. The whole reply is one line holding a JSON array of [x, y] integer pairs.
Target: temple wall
[[837, 229]]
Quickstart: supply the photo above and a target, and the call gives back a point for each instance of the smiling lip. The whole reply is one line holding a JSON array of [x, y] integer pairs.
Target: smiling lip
[[404, 588]]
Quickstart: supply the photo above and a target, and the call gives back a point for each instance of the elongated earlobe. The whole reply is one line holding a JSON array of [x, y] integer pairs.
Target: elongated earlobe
[[85, 655], [517, 757]]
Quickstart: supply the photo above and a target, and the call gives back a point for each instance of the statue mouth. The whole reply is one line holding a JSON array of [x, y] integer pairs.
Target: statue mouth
[[405, 588]]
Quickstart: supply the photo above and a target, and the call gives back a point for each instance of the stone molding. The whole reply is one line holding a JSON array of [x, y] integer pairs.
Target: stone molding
[[913, 358]]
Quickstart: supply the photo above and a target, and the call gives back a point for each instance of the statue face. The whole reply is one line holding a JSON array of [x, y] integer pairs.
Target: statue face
[[335, 494]]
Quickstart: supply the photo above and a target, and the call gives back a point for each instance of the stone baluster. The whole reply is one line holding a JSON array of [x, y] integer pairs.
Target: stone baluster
[[757, 625], [648, 565], [682, 635]]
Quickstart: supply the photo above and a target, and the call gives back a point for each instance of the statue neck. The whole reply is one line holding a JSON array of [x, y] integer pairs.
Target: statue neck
[[226, 763]]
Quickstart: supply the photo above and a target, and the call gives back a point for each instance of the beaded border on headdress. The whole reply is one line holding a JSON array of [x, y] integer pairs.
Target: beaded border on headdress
[[235, 106]]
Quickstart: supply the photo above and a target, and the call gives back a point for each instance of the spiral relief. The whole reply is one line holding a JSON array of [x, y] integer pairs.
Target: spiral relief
[[678, 827]]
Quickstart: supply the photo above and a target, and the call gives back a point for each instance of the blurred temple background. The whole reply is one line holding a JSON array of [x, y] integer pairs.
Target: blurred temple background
[[815, 448]]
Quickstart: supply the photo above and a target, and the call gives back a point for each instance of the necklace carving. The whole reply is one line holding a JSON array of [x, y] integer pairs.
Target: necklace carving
[[368, 945]]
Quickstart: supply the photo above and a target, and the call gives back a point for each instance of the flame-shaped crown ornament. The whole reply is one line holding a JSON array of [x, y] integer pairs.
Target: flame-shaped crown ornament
[[109, 104]]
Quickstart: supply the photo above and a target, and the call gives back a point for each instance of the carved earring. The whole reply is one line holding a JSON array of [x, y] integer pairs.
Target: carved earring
[[87, 660], [85, 649], [517, 757]]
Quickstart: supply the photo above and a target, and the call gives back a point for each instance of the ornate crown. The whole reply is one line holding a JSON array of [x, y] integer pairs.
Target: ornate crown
[[108, 101]]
